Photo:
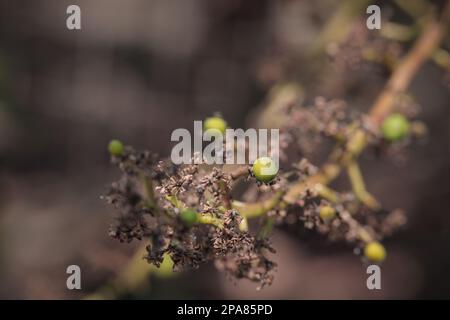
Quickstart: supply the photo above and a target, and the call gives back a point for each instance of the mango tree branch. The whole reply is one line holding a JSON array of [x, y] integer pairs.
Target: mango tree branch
[[423, 48], [398, 83]]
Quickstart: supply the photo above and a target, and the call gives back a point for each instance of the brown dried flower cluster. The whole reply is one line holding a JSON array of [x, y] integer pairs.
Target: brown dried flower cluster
[[151, 197], [363, 49], [187, 211]]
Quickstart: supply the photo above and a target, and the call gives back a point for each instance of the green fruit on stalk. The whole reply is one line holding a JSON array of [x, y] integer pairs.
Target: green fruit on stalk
[[189, 217], [375, 251], [327, 213], [215, 123], [115, 148], [265, 169], [395, 127]]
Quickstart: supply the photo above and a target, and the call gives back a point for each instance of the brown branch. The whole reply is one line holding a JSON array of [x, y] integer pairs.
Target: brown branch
[[424, 47], [241, 171], [399, 81]]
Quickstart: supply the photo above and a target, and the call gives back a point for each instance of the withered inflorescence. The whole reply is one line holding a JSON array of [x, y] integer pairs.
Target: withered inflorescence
[[198, 213], [187, 212]]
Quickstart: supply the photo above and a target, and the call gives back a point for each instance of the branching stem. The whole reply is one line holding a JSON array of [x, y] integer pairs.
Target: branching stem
[[359, 187]]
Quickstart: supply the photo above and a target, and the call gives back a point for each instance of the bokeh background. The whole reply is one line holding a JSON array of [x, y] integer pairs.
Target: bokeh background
[[137, 70]]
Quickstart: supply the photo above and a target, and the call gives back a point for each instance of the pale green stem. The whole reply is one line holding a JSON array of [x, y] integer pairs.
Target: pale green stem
[[359, 188], [149, 191], [253, 210], [266, 228], [206, 218], [327, 193]]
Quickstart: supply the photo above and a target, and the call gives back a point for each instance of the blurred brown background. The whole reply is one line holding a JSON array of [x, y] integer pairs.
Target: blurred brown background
[[139, 69]]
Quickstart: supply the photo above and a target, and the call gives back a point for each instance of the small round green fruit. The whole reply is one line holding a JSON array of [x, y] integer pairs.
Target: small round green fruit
[[215, 123], [375, 251], [115, 148], [265, 169], [395, 127], [189, 217], [327, 213]]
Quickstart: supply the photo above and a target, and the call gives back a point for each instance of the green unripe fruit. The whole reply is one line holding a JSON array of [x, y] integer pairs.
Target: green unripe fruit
[[216, 123], [327, 213], [395, 127], [189, 217], [375, 251], [115, 148], [265, 169]]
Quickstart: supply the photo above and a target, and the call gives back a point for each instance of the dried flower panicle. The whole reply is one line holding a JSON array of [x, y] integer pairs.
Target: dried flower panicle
[[152, 195], [364, 47], [187, 211], [130, 223], [309, 126], [155, 214], [247, 257]]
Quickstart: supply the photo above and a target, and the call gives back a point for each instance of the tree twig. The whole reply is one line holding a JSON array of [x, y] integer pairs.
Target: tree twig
[[398, 83]]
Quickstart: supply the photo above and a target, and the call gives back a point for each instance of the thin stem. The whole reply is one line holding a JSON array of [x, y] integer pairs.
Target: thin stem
[[129, 279], [175, 202], [225, 194], [359, 187], [398, 31], [206, 218], [242, 171], [423, 48], [266, 227], [243, 226], [253, 210], [328, 173], [149, 191], [399, 81], [327, 193], [361, 232]]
